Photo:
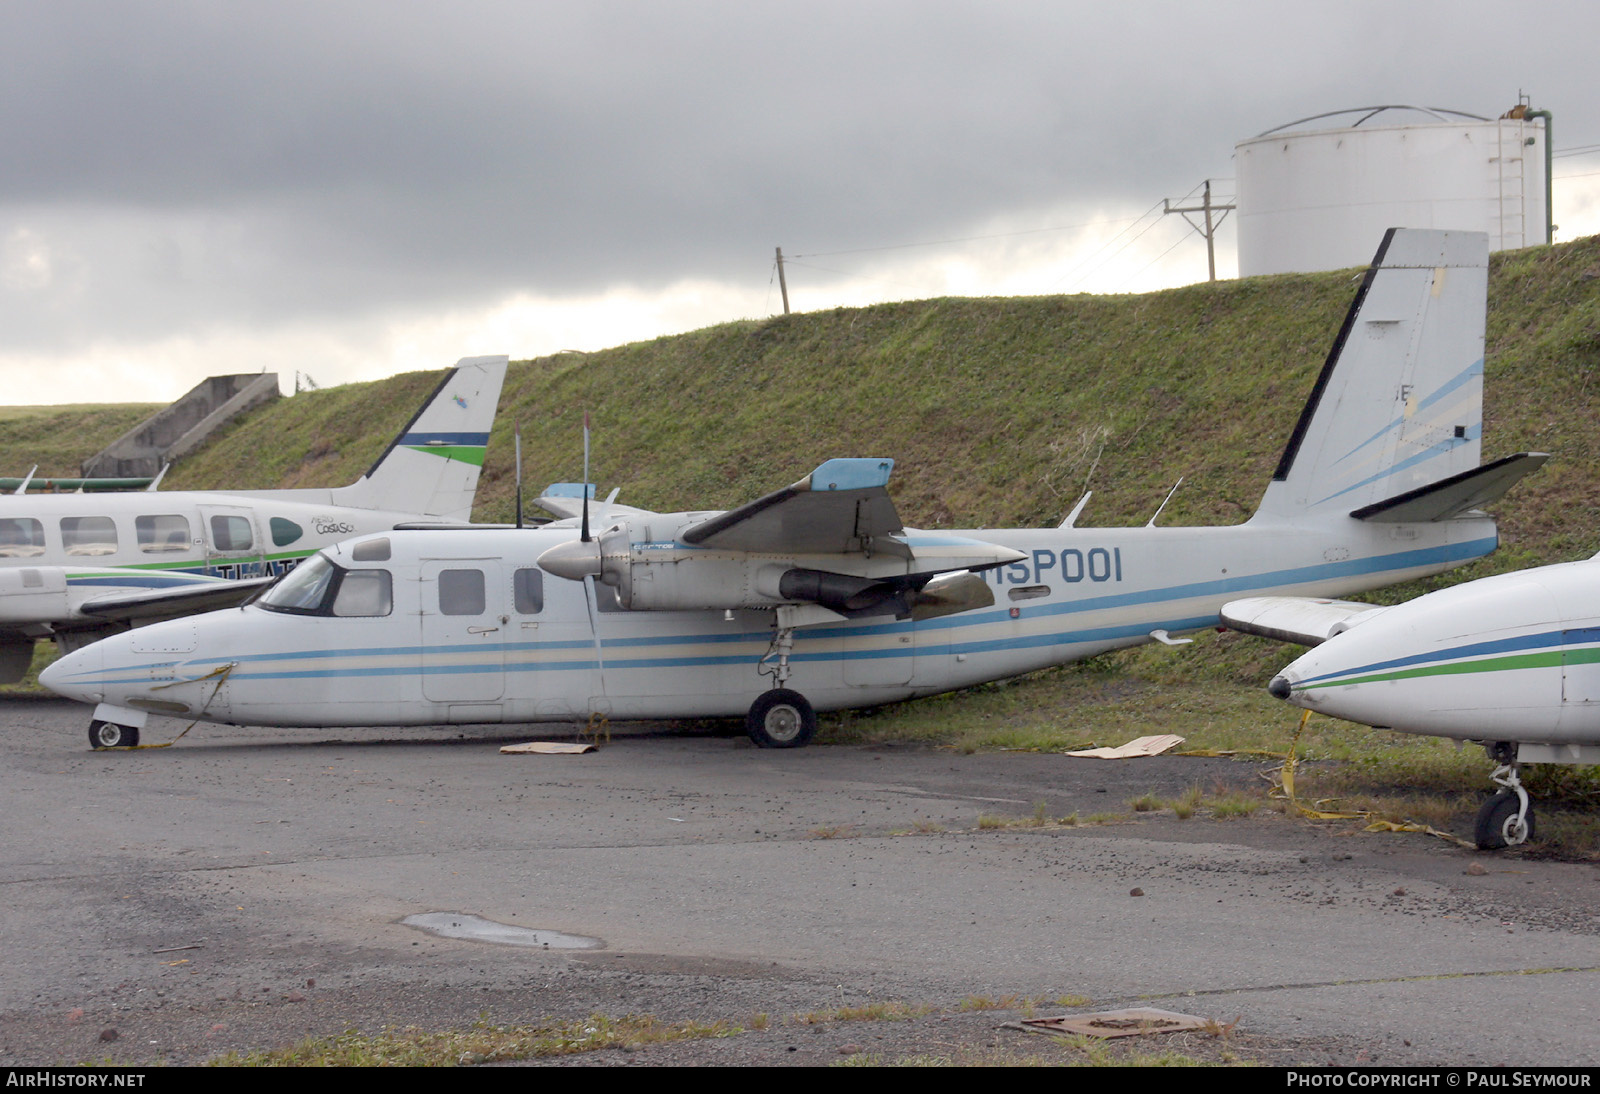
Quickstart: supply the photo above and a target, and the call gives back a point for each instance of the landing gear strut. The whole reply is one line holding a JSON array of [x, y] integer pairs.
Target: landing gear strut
[[780, 718], [1506, 819]]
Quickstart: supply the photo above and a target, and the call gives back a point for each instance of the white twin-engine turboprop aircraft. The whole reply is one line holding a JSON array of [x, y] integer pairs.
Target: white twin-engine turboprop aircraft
[[77, 567], [820, 588]]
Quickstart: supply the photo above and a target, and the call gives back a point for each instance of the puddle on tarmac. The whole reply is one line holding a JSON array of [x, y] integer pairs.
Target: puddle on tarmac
[[457, 925]]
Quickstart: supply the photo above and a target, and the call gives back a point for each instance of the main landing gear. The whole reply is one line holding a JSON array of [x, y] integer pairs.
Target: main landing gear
[[111, 735], [1506, 819], [780, 718]]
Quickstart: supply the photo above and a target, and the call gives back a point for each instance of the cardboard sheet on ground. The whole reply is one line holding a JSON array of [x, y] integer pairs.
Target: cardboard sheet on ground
[[1142, 746], [548, 748]]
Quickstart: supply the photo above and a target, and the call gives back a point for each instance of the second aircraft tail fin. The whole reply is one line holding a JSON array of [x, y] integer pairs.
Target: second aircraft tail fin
[[432, 467]]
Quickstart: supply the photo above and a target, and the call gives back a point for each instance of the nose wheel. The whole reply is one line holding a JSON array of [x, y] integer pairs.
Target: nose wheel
[[111, 735], [1505, 820]]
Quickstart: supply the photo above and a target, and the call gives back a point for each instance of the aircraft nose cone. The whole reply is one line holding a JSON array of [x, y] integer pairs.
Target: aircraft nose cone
[[70, 675], [574, 560], [1279, 688]]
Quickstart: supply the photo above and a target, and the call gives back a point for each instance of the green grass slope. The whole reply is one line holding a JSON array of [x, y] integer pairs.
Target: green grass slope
[[998, 411], [60, 438]]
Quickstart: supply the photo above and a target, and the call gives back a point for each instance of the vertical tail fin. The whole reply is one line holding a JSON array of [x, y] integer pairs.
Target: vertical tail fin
[[1399, 402], [431, 468]]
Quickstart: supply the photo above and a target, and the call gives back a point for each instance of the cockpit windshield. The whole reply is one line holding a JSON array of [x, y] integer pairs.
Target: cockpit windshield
[[303, 589], [318, 586]]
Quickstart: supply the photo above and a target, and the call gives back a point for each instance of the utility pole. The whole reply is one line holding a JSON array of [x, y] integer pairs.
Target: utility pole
[[1210, 230], [783, 285]]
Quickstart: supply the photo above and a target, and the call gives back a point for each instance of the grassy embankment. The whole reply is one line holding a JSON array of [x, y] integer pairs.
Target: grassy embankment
[[1002, 412]]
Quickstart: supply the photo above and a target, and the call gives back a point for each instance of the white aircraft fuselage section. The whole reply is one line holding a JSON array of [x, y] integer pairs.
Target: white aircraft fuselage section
[[1514, 657], [96, 544], [496, 639]]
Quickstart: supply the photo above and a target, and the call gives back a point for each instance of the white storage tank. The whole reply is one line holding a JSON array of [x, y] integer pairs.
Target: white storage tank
[[1321, 199]]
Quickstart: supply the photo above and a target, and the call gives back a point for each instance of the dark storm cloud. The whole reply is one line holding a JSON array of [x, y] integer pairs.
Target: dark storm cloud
[[174, 164]]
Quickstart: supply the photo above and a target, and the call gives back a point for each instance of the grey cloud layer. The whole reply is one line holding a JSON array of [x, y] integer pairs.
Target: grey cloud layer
[[172, 165]]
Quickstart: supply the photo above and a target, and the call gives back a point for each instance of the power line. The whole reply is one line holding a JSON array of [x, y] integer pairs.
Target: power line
[[1085, 262]]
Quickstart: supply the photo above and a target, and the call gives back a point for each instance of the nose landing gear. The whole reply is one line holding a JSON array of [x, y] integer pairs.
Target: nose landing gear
[[1506, 819]]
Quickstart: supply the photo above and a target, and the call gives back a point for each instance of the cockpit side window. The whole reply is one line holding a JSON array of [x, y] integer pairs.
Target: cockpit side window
[[364, 593]]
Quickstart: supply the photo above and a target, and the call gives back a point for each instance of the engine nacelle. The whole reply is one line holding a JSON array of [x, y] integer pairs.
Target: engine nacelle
[[669, 575]]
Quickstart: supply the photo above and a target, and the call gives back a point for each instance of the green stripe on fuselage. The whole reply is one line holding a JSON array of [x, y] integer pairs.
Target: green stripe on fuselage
[[196, 564], [1548, 659]]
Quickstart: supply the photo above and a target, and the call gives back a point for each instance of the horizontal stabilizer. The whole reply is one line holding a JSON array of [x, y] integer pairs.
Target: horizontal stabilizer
[[170, 603], [1308, 621], [1455, 495], [842, 507]]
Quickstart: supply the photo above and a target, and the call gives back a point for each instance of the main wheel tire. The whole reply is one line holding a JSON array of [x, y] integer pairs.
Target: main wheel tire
[[781, 719], [1497, 825], [112, 735]]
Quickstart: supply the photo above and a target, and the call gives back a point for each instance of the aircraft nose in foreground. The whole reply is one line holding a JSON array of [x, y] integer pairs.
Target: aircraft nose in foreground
[[76, 674]]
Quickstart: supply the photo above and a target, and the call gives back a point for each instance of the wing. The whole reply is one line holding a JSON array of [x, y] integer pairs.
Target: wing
[[832, 540], [1306, 620], [147, 607], [565, 500], [842, 507]]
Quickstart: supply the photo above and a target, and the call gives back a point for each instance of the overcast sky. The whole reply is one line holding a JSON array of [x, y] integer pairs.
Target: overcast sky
[[355, 189]]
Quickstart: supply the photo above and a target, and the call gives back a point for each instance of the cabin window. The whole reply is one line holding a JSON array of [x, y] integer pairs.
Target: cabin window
[[527, 590], [372, 550], [159, 534], [1029, 592], [89, 535], [303, 589], [284, 532], [230, 533], [21, 537], [364, 592], [461, 592]]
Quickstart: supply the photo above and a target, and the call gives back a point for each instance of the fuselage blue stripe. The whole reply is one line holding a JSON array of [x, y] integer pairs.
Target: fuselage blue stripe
[[1579, 636], [1472, 372], [444, 439]]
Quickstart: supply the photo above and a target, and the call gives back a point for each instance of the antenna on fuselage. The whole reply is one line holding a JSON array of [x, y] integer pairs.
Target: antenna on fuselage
[[517, 433], [1163, 505]]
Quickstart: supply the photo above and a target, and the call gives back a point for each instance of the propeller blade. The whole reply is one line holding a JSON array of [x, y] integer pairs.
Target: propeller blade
[[517, 433], [590, 592]]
